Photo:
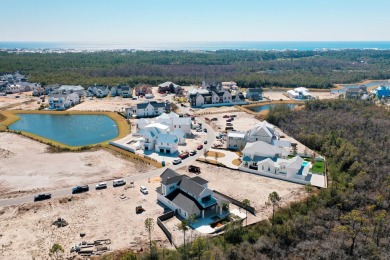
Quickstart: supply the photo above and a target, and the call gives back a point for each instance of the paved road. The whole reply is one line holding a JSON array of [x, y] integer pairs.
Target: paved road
[[144, 176]]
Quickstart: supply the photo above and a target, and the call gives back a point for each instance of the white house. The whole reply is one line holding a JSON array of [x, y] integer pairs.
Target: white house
[[269, 160], [167, 143], [175, 122], [60, 101], [148, 109], [99, 91], [236, 140], [262, 132], [188, 196], [229, 85], [299, 93], [212, 98], [12, 89], [72, 89]]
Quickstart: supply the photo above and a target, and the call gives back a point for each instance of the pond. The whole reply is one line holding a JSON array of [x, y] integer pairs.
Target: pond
[[267, 107], [73, 130]]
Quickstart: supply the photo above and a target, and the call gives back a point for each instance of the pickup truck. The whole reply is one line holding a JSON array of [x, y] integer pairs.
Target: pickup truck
[[42, 196], [80, 189]]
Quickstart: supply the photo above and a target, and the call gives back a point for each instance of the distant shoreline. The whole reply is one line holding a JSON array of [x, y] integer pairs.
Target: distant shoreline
[[197, 46]]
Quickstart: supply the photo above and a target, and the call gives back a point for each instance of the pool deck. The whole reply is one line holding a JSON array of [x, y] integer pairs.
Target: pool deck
[[12, 117]]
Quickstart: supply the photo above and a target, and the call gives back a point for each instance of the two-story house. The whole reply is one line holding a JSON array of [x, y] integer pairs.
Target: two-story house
[[356, 93], [148, 109], [62, 101], [99, 91], [187, 196]]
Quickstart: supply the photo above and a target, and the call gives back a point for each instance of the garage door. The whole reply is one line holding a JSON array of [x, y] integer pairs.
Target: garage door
[[161, 150], [168, 151]]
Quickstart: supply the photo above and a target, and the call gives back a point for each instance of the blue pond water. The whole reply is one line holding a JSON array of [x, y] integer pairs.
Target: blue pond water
[[267, 107], [73, 130]]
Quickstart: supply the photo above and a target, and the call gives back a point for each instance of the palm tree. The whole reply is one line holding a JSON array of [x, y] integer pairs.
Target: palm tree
[[192, 220], [246, 203], [183, 226], [149, 228], [274, 200]]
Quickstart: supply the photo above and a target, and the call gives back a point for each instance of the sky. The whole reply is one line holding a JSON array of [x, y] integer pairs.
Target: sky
[[125, 21]]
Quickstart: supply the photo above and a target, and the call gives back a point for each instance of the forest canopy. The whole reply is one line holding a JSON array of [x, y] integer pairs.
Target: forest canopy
[[313, 69]]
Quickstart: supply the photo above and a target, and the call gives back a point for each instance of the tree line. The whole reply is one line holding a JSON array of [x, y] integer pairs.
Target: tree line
[[313, 69]]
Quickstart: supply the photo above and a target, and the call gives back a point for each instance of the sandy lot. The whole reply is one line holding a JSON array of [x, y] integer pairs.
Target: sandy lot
[[26, 231], [25, 101], [117, 103], [253, 187], [279, 95], [26, 166]]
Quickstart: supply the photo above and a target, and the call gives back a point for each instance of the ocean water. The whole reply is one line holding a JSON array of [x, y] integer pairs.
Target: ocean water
[[73, 130], [192, 46]]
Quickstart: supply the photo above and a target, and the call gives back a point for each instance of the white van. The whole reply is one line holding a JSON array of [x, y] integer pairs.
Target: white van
[[118, 182]]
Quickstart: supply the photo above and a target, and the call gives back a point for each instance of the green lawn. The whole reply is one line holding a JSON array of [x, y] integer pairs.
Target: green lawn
[[318, 167]]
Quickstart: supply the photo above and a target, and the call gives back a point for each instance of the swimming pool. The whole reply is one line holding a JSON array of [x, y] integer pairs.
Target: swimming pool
[[305, 163]]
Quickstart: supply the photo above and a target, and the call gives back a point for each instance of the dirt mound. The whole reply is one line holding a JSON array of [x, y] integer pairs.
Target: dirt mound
[[6, 154]]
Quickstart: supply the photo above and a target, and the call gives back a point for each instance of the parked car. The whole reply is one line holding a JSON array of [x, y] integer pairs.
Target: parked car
[[207, 119], [226, 116], [233, 115], [205, 130], [198, 129], [101, 185], [214, 119], [79, 189], [184, 155], [118, 182], [193, 152], [200, 147], [144, 190], [42, 196], [229, 124], [229, 120], [205, 142], [176, 161]]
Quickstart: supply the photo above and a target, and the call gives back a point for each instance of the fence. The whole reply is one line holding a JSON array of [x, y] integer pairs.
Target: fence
[[236, 202], [162, 218], [119, 148], [217, 112]]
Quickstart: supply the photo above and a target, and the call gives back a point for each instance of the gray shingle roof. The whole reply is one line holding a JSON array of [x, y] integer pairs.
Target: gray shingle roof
[[169, 176], [186, 203], [199, 180], [154, 104], [191, 186]]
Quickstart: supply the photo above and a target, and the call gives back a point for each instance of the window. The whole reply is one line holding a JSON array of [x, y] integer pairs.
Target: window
[[161, 143], [269, 168], [171, 188]]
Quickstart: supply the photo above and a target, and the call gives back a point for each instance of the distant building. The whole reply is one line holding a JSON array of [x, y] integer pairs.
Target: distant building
[[254, 94], [120, 90], [382, 92], [99, 91], [143, 89], [356, 93], [148, 109], [299, 93], [169, 87], [229, 85], [212, 98], [72, 89]]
